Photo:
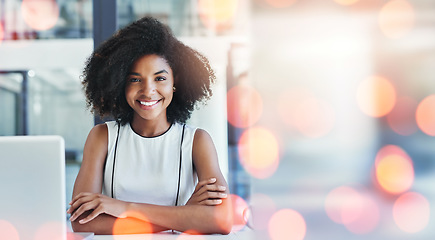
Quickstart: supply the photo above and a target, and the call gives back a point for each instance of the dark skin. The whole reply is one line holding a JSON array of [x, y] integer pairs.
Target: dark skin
[[149, 91]]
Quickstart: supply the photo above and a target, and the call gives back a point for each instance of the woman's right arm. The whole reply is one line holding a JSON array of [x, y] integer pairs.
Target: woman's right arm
[[90, 180]]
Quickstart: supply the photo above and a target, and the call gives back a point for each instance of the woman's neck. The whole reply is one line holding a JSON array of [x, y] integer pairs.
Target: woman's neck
[[149, 128]]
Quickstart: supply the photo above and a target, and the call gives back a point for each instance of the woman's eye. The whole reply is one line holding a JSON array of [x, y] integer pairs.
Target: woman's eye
[[134, 80], [160, 78]]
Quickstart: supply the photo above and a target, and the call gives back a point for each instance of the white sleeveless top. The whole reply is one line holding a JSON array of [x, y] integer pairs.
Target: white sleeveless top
[[146, 169]]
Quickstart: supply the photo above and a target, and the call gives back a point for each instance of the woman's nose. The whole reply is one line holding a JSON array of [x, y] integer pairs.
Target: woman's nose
[[148, 87]]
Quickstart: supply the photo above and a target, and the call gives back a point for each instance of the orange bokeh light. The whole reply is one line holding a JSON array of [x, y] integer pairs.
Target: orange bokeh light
[[367, 219], [244, 106], [302, 110], [401, 118], [396, 18], [258, 152], [411, 212], [346, 2], [287, 224], [8, 231], [391, 150], [280, 3], [131, 225], [376, 96], [40, 14], [217, 14], [343, 205], [395, 174], [262, 209], [51, 230], [425, 115], [239, 207]]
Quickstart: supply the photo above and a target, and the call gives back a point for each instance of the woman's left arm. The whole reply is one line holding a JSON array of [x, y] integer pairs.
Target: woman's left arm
[[205, 160]]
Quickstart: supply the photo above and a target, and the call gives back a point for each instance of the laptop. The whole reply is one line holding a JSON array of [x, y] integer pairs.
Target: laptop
[[32, 189]]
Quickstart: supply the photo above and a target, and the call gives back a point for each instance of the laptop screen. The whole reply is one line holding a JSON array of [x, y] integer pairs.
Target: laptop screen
[[32, 186]]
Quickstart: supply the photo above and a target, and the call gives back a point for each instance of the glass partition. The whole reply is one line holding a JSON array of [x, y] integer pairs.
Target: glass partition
[[10, 89], [56, 105]]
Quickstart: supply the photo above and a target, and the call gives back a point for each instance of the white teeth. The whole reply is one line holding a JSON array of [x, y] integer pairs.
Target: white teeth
[[148, 103]]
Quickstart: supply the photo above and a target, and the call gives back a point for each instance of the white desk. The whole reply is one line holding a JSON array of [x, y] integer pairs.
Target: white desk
[[242, 235]]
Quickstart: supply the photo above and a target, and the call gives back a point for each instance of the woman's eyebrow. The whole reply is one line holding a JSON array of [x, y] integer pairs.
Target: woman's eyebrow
[[137, 74], [162, 71]]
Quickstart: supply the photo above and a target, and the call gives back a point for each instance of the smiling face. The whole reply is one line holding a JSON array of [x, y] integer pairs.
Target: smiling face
[[149, 90]]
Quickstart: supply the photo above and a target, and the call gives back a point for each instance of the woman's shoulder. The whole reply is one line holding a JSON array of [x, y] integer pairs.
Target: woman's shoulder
[[201, 135], [99, 130], [98, 133], [96, 141]]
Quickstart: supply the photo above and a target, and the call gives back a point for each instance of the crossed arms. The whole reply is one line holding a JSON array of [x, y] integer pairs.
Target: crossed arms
[[207, 211]]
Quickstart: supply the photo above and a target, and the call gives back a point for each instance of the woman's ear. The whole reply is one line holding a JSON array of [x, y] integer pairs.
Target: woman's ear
[[175, 83]]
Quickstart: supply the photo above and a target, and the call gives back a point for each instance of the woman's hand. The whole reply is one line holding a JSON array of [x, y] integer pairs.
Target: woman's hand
[[207, 192], [99, 203]]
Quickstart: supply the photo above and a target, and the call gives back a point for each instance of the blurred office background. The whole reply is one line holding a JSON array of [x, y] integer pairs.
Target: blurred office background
[[323, 113]]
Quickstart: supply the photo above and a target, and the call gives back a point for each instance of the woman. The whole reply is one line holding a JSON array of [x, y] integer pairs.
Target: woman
[[148, 170]]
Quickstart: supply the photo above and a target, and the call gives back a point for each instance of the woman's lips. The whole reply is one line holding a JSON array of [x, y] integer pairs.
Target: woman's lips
[[149, 103]]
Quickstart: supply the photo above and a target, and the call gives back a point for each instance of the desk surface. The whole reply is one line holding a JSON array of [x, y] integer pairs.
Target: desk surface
[[243, 235]]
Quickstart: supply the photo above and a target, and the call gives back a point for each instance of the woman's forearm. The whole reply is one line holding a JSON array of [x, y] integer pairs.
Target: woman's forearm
[[107, 225], [148, 218], [197, 218], [92, 212]]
